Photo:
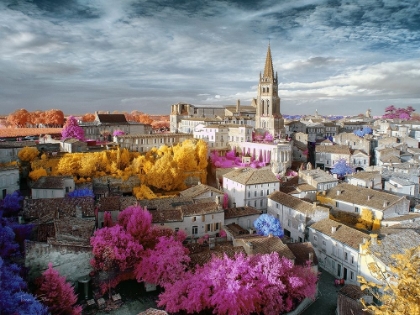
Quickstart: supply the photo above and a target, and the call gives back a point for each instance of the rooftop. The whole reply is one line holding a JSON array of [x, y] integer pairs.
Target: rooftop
[[371, 198], [251, 176], [340, 232], [241, 212]]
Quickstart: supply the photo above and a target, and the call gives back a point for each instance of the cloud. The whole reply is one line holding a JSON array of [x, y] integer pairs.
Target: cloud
[[150, 54]]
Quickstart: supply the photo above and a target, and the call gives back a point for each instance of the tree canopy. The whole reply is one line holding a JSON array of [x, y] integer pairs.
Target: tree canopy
[[398, 293]]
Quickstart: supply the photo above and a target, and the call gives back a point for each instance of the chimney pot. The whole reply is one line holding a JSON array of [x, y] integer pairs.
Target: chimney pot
[[333, 229]]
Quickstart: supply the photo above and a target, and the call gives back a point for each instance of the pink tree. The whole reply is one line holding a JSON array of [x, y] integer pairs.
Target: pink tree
[[164, 264], [72, 130], [108, 219], [225, 201], [259, 284], [57, 294], [136, 221], [114, 248]]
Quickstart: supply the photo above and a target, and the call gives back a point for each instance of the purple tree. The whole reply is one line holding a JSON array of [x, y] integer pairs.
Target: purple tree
[[267, 224], [341, 168], [13, 298], [11, 204], [72, 130]]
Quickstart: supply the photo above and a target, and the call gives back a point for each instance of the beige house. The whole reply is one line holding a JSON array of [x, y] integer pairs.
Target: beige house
[[366, 179], [295, 214], [317, 178], [104, 125], [145, 142]]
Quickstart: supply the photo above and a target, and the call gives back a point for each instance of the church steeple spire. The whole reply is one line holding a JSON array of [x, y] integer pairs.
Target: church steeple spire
[[268, 69]]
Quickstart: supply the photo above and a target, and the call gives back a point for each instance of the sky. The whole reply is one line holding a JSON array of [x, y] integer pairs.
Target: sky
[[334, 57]]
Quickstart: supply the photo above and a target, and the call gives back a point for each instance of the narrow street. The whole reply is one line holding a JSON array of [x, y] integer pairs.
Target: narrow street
[[327, 297]]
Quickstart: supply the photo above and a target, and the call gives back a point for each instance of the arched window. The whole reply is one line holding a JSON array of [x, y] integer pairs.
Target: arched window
[[268, 89]]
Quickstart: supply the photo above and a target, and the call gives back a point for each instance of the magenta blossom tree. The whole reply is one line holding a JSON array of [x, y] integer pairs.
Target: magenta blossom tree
[[57, 294], [164, 264], [259, 284], [72, 130]]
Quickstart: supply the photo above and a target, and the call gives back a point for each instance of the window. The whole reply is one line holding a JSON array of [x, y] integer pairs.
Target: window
[[262, 193], [345, 256], [352, 259], [195, 229], [255, 194], [208, 227], [315, 238], [277, 205], [356, 209], [217, 226], [261, 203], [193, 219], [351, 275], [176, 229]]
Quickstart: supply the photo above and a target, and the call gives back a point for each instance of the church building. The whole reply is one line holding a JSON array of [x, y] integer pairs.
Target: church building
[[268, 116]]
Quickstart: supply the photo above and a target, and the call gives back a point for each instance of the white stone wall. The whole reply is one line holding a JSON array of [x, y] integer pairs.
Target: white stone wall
[[9, 181]]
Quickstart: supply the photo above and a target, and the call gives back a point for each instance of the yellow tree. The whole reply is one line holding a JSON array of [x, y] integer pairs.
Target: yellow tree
[[28, 154], [36, 174], [399, 289]]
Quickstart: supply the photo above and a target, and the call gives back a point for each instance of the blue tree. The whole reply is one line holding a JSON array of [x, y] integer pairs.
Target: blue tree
[[267, 224], [341, 168], [364, 131], [82, 192]]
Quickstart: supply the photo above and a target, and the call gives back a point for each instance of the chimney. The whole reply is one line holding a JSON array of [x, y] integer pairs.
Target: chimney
[[373, 239], [234, 205], [251, 248], [238, 103], [386, 203], [333, 229], [369, 197], [311, 257], [338, 192], [270, 235]]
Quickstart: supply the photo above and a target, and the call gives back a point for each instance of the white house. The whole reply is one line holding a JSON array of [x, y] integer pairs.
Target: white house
[[327, 155], [294, 214], [366, 179], [196, 219], [337, 248], [318, 178], [350, 198], [242, 216], [250, 187], [9, 180], [52, 187]]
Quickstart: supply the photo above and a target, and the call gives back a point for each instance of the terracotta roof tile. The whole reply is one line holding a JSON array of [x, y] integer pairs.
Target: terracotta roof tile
[[302, 251]]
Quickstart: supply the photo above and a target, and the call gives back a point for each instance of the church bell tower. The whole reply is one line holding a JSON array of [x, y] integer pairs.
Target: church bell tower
[[268, 116]]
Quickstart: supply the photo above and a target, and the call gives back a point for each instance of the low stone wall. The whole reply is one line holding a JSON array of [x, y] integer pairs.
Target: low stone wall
[[71, 261]]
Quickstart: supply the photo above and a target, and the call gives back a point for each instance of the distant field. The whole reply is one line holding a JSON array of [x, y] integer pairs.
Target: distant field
[[23, 132]]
